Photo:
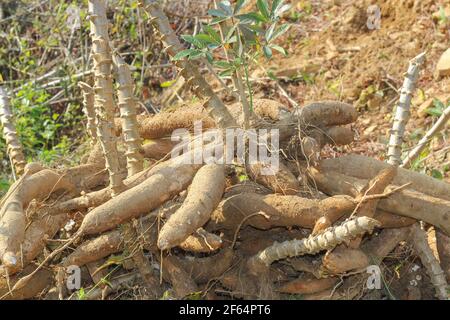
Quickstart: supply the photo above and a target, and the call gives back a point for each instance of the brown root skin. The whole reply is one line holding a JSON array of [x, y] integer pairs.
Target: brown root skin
[[307, 148], [246, 186], [390, 220], [266, 112], [201, 241], [164, 123], [443, 248], [41, 280], [12, 224], [95, 249], [321, 224], [282, 210], [308, 285], [203, 196], [283, 181], [386, 219], [372, 252], [158, 148], [96, 155], [86, 176], [365, 168], [208, 268], [251, 240], [327, 113], [376, 185], [343, 259], [181, 281], [406, 202], [239, 283], [270, 109], [142, 198], [334, 135], [35, 239], [112, 242], [134, 247]]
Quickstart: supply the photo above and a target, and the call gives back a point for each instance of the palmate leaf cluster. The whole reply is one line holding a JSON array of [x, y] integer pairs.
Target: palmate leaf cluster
[[242, 36]]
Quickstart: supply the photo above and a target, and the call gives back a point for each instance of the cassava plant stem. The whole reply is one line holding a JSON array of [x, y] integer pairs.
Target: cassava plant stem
[[14, 146], [127, 106], [88, 108], [431, 264], [214, 105], [104, 103], [402, 112], [326, 240], [440, 123]]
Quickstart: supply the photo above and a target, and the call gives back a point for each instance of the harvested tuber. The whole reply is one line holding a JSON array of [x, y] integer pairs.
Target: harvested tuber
[[203, 196]]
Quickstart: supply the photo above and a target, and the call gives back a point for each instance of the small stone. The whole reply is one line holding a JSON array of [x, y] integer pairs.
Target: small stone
[[443, 65]]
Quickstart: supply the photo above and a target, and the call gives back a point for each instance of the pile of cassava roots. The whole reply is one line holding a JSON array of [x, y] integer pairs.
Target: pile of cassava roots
[[133, 221]]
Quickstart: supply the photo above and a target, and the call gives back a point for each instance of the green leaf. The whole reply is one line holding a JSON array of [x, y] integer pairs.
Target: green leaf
[[437, 174], [226, 73], [81, 294], [279, 49], [166, 295], [209, 57], [271, 75], [269, 33], [438, 104], [196, 54], [433, 111], [279, 31], [233, 39], [194, 296], [281, 10], [267, 52], [226, 6], [442, 15], [275, 5], [239, 5], [182, 54], [213, 33], [217, 13], [251, 17], [4, 185], [223, 64], [167, 84], [217, 20], [263, 7], [205, 38], [230, 33], [243, 177], [194, 41], [248, 33]]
